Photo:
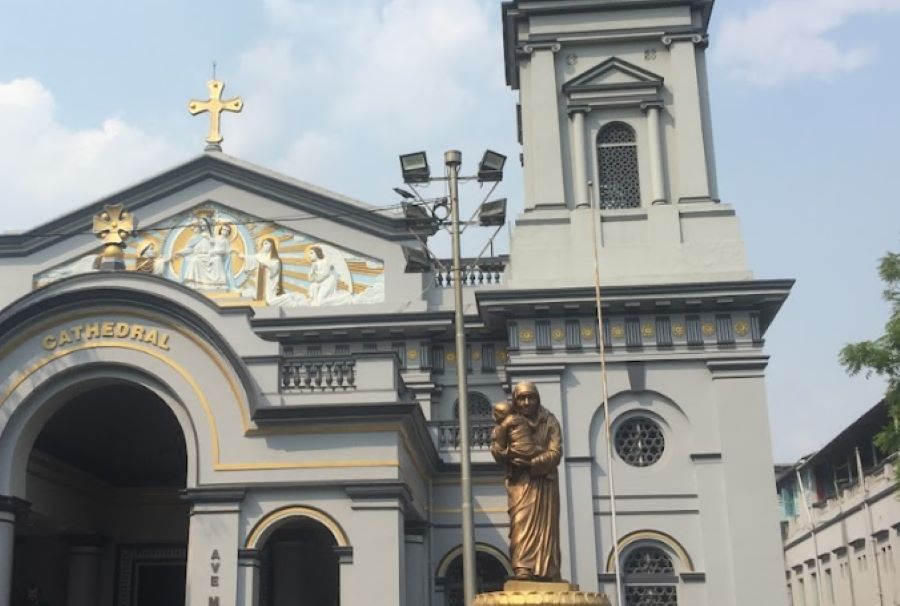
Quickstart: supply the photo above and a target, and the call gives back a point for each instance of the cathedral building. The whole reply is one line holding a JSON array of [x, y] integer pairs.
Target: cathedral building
[[256, 404]]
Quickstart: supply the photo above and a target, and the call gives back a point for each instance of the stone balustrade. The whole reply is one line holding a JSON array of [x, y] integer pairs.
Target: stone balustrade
[[318, 374], [447, 435]]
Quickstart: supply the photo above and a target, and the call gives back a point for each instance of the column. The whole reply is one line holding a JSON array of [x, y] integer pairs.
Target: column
[[654, 147], [579, 158], [11, 508], [248, 577], [212, 568], [83, 585]]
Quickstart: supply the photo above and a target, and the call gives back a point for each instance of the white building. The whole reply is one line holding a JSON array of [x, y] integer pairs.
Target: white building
[[841, 527], [262, 411]]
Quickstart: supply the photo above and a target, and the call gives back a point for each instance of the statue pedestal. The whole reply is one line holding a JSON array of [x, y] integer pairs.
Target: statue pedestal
[[538, 593]]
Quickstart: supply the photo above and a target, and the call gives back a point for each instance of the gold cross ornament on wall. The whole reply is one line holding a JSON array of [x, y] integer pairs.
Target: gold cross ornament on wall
[[113, 225], [215, 105]]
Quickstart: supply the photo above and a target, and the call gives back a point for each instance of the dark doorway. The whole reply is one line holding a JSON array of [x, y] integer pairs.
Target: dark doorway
[[104, 481], [490, 575], [299, 566]]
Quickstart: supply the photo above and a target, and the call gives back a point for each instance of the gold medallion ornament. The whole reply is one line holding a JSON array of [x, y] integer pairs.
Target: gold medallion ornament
[[741, 327], [527, 335], [558, 334], [412, 354], [678, 330], [113, 225], [502, 355], [587, 332], [709, 329], [215, 105], [618, 331], [647, 330], [451, 356]]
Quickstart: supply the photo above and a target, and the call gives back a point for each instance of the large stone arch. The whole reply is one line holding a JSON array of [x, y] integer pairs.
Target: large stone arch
[[117, 327]]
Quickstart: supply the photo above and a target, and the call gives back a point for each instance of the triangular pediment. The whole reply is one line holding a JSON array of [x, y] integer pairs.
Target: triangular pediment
[[234, 232], [611, 75]]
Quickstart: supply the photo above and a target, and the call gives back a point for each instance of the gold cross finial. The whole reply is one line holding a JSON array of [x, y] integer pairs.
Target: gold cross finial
[[113, 225], [215, 105]]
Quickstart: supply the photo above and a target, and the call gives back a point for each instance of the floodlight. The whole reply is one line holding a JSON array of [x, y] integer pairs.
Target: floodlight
[[415, 168], [416, 215], [404, 194], [493, 213], [417, 260], [490, 169]]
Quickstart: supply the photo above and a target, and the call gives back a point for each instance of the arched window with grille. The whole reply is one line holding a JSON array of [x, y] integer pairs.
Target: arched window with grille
[[649, 578], [618, 182], [479, 407]]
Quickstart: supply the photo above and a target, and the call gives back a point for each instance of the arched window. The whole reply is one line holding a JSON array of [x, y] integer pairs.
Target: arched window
[[490, 574], [479, 407], [649, 577], [619, 186]]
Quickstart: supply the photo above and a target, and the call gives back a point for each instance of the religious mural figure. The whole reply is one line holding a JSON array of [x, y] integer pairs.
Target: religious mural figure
[[221, 248], [267, 262], [149, 260], [324, 277], [528, 441], [203, 267], [236, 259]]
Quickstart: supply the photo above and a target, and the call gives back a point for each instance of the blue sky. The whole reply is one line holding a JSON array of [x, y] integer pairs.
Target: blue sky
[[93, 97]]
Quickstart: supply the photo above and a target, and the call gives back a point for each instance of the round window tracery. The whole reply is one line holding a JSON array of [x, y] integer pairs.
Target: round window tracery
[[640, 441]]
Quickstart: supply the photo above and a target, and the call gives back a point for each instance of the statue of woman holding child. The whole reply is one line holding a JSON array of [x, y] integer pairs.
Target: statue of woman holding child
[[528, 441]]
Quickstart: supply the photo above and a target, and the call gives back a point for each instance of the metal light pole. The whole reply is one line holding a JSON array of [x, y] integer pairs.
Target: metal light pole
[[415, 170], [452, 160]]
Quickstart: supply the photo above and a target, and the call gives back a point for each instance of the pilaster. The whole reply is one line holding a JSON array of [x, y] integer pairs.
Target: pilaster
[[213, 542], [12, 509], [542, 144], [693, 177]]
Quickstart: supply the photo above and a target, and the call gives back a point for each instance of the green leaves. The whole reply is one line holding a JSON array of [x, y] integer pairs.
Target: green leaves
[[881, 356]]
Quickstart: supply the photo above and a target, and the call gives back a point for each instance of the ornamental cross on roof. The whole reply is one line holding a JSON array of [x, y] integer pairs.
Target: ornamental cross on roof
[[215, 105]]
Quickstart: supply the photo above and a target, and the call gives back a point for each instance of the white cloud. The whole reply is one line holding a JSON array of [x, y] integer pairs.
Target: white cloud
[[311, 157], [393, 68], [784, 40], [47, 169]]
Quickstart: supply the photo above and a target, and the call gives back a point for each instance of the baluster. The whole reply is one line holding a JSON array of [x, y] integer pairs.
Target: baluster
[[286, 372], [339, 374], [308, 375], [329, 375], [318, 374], [351, 373]]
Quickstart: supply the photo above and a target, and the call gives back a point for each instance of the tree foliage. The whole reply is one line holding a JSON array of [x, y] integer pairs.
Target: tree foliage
[[881, 356]]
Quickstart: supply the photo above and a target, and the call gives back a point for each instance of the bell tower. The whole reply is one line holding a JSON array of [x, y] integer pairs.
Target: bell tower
[[614, 111]]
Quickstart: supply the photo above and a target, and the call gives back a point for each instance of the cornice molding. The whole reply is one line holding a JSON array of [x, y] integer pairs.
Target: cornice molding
[[698, 39], [226, 170]]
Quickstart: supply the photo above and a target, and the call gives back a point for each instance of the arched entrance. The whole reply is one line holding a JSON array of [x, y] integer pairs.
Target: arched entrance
[[299, 565], [107, 523]]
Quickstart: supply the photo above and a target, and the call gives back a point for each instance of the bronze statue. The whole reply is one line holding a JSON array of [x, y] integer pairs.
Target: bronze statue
[[528, 441]]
